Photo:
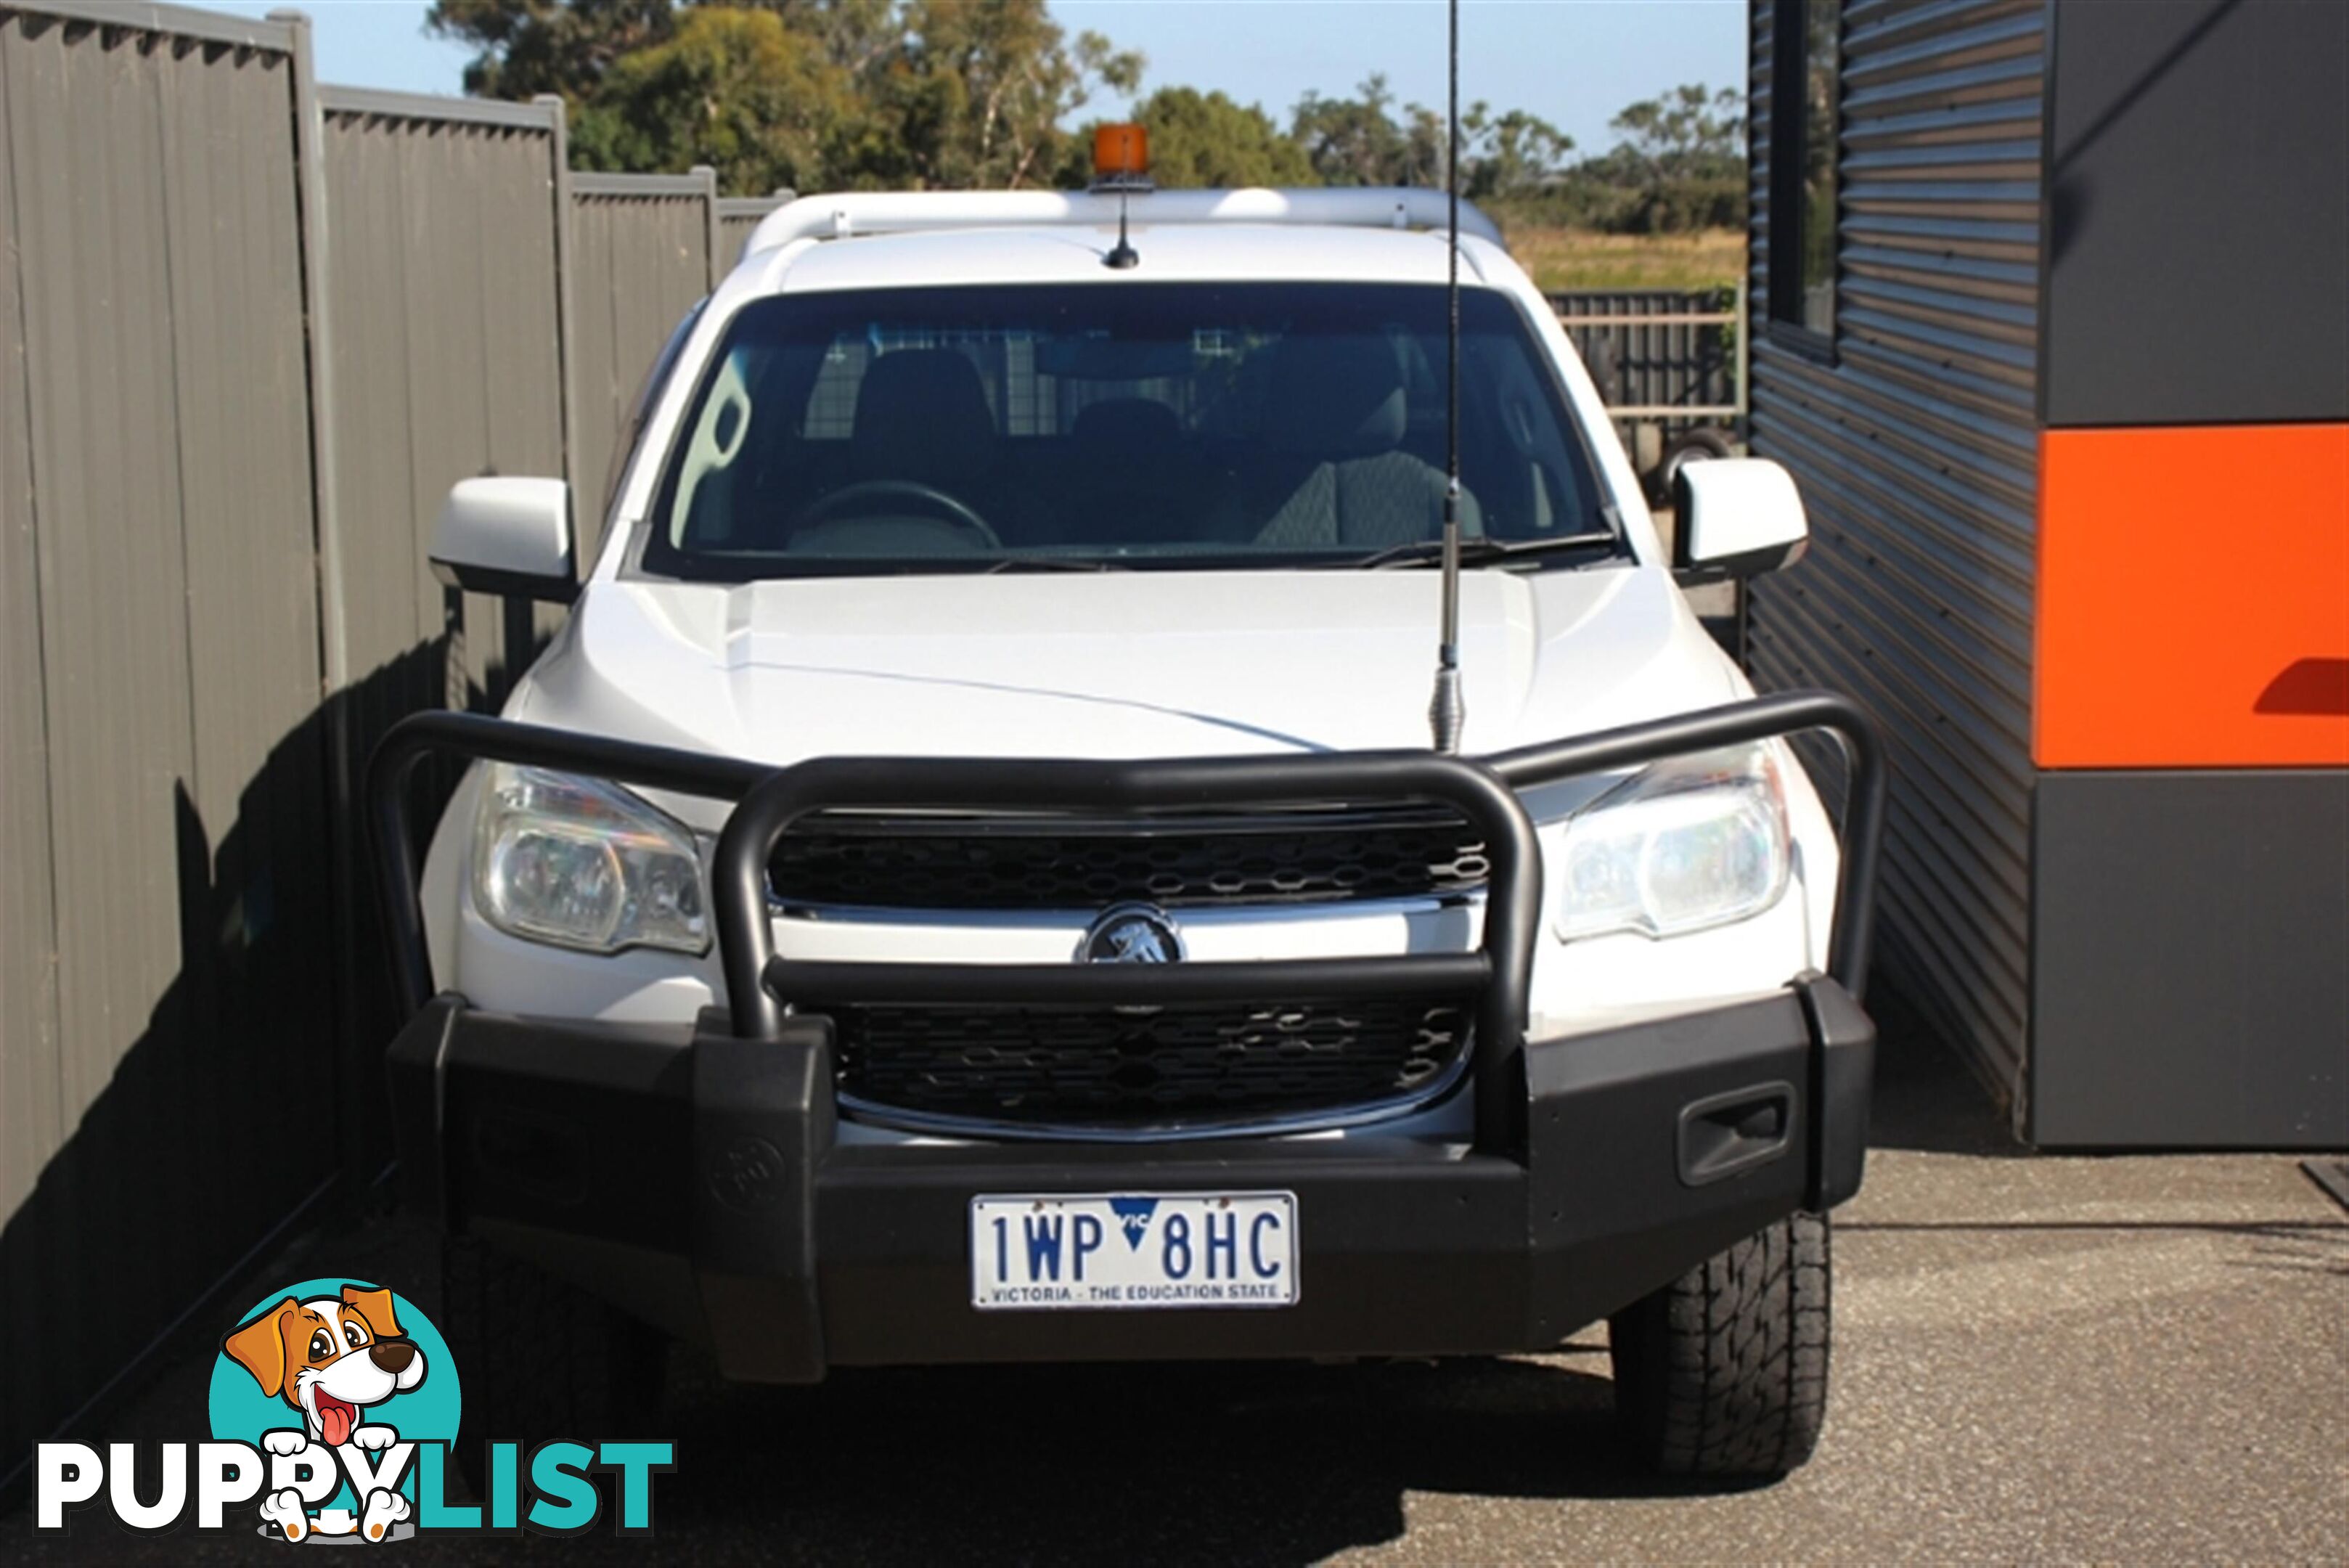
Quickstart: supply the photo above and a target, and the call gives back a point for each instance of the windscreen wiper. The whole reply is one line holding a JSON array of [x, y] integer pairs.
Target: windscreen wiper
[[1051, 564], [1482, 552]]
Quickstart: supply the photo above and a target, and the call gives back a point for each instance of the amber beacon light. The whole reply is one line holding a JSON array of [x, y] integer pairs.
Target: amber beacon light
[[1120, 157]]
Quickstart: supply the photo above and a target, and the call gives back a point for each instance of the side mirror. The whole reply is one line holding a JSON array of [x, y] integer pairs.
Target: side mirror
[[509, 536], [1738, 517]]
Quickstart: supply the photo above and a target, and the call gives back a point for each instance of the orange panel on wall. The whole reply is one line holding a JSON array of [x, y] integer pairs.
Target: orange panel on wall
[[2193, 597]]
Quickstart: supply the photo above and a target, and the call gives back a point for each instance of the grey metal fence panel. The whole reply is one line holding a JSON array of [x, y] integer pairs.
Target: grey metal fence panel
[[738, 219], [32, 1125], [159, 409], [449, 364], [1916, 451], [442, 293], [641, 255]]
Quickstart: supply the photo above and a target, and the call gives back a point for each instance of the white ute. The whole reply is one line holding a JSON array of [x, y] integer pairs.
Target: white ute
[[975, 858]]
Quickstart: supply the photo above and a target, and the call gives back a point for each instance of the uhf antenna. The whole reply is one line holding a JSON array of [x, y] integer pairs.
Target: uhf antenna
[[1125, 255], [1445, 710]]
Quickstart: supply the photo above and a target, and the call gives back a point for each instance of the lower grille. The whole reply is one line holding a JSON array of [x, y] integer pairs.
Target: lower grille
[[1106, 1068]]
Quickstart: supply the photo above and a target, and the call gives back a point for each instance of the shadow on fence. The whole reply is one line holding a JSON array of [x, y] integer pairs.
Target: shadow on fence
[[250, 1096]]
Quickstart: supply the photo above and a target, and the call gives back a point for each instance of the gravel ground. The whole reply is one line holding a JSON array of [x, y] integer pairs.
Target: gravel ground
[[2115, 1359]]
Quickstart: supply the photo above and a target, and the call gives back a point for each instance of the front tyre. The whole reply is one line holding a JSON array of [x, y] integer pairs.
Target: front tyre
[[540, 1357], [1723, 1372]]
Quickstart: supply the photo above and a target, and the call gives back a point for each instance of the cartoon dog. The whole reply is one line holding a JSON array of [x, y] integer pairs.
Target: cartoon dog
[[330, 1357]]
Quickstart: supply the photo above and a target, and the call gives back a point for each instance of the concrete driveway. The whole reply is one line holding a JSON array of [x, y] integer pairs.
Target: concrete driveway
[[2115, 1360]]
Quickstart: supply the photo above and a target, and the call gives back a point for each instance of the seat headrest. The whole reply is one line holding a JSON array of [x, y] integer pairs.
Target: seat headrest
[[1141, 426], [1335, 398], [922, 414]]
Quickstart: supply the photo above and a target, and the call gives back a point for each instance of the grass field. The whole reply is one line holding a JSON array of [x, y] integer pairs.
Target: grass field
[[1571, 259]]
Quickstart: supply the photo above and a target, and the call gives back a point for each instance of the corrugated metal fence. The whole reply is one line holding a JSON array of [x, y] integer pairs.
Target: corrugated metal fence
[[253, 330], [441, 238], [738, 219], [645, 247], [1679, 351], [1915, 446], [167, 998]]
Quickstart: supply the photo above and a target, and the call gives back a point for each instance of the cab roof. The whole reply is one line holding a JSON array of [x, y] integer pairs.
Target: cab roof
[[904, 239], [854, 213], [1069, 253]]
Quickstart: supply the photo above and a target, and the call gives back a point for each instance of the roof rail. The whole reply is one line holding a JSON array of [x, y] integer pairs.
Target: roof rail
[[849, 213]]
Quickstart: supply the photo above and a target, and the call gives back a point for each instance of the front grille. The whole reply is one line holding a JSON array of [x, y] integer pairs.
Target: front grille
[[1012, 863], [1107, 1068]]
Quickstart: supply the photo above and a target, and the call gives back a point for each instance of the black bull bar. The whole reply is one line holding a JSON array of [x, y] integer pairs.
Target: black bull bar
[[770, 800]]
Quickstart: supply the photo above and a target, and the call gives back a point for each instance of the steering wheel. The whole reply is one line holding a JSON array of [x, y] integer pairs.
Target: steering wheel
[[958, 511]]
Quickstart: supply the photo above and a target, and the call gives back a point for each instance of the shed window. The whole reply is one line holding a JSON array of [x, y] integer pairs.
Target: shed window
[[1805, 119]]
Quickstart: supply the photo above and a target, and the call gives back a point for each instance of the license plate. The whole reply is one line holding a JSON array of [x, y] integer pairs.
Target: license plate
[[1064, 1252]]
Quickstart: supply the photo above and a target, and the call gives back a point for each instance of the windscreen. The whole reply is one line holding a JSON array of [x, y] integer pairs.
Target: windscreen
[[1119, 425]]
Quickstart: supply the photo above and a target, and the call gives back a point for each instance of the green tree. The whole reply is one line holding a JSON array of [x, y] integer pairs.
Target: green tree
[[763, 103], [1682, 154], [525, 48], [976, 90], [1509, 155], [1687, 130], [859, 92], [1204, 139], [1354, 140], [1369, 139]]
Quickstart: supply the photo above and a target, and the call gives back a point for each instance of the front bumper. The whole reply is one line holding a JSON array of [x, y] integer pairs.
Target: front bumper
[[691, 1178]]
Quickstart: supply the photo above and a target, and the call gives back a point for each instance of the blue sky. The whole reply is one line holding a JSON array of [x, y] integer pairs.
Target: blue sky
[[1573, 62]]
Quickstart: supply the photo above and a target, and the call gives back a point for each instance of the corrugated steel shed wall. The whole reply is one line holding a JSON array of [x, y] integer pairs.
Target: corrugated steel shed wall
[[1916, 453], [170, 934], [441, 219], [641, 255]]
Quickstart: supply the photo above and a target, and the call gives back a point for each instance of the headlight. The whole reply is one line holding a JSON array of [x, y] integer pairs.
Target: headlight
[[580, 864], [1690, 843]]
